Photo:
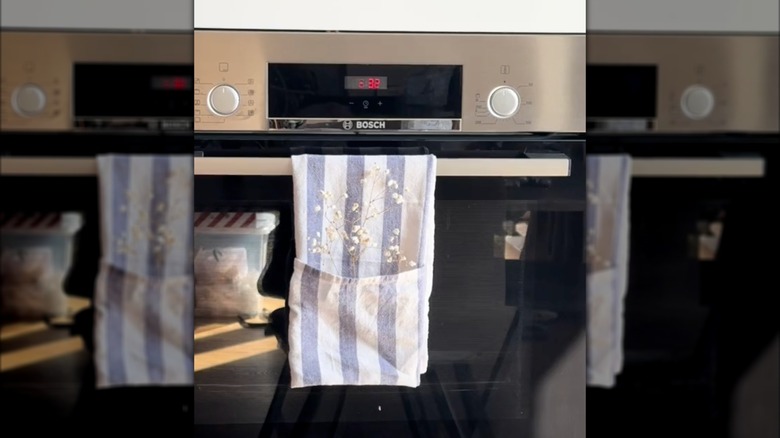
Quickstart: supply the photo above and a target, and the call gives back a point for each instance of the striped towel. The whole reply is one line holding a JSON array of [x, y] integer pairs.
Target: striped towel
[[608, 180], [144, 290], [359, 293]]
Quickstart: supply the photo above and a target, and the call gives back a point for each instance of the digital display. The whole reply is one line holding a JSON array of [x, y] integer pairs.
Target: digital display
[[378, 91], [623, 91], [365, 82], [146, 90], [172, 83]]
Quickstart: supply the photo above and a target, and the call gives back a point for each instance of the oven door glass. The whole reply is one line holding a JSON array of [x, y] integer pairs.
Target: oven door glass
[[47, 367], [696, 311], [507, 310]]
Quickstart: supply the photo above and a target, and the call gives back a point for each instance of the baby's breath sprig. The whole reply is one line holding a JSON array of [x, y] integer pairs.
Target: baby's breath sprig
[[351, 230], [161, 240]]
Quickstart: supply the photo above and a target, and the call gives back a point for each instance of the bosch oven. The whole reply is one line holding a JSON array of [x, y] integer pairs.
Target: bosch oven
[[698, 115], [504, 116], [68, 97]]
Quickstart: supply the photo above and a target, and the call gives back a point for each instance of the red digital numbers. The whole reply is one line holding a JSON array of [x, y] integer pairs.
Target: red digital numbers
[[370, 84]]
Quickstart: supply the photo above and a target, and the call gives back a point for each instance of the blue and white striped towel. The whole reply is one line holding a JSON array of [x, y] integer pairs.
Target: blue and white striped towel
[[144, 290], [608, 180], [358, 300]]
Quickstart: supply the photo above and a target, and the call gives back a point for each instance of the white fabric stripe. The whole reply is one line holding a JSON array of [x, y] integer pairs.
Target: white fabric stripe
[[407, 352], [367, 300], [300, 193], [107, 235], [174, 292], [366, 310], [328, 325], [415, 181], [411, 219], [101, 326], [429, 233], [135, 292], [178, 218], [372, 258], [336, 185], [134, 342], [178, 289], [294, 332]]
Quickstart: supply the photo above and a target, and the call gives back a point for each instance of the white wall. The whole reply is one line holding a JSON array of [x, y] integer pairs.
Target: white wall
[[510, 16], [752, 16], [170, 15], [566, 16]]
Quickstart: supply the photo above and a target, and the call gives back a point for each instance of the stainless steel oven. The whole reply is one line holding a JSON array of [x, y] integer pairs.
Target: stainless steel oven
[[698, 115], [66, 98], [504, 115]]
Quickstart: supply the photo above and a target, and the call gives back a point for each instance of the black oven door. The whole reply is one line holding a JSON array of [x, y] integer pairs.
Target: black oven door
[[507, 311], [697, 311], [47, 366]]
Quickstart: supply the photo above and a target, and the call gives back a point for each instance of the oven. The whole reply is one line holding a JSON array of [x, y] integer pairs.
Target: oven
[[67, 98], [504, 117], [698, 117]]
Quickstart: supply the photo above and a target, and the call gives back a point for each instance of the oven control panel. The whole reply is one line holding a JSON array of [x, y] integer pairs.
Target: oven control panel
[[79, 81], [679, 84], [336, 82]]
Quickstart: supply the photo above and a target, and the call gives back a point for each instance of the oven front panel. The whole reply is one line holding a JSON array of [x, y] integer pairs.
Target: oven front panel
[[95, 81], [677, 83], [507, 311], [272, 81]]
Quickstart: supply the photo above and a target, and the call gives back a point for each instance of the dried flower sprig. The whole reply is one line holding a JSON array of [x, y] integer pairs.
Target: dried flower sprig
[[162, 239], [350, 230]]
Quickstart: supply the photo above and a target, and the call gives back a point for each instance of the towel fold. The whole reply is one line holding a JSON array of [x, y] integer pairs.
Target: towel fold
[[144, 290], [608, 181], [359, 294]]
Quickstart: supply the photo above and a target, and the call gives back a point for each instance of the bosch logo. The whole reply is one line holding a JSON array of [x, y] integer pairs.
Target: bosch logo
[[347, 124], [370, 124]]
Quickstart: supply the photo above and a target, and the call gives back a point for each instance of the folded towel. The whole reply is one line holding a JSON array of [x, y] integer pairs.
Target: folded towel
[[608, 180], [359, 294], [144, 290]]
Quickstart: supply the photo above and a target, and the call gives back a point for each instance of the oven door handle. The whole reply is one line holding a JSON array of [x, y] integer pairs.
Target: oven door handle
[[726, 167], [542, 165], [48, 166]]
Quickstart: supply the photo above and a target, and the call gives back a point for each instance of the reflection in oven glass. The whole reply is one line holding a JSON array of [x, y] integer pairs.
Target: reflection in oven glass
[[708, 239], [231, 254], [37, 255], [510, 245]]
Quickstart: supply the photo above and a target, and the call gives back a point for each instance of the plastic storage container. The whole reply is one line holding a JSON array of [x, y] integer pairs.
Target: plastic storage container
[[231, 255], [37, 254]]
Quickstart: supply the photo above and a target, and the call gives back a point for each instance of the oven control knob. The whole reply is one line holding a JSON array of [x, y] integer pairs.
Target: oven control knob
[[697, 102], [223, 100], [28, 100], [503, 102]]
